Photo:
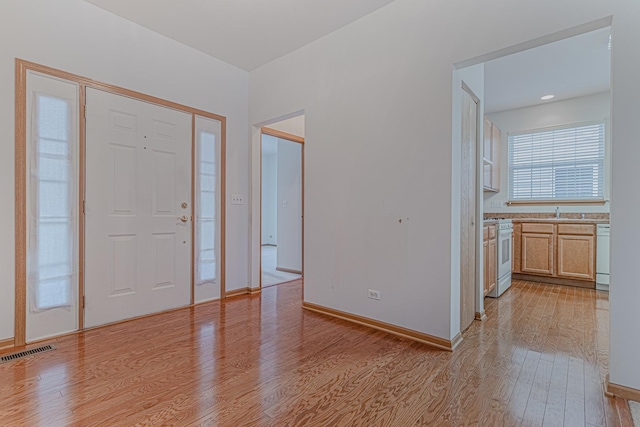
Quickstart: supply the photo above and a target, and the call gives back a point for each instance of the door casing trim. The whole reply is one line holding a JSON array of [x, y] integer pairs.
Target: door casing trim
[[299, 140]]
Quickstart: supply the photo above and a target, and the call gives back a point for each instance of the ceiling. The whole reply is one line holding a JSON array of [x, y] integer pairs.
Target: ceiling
[[569, 68], [244, 33]]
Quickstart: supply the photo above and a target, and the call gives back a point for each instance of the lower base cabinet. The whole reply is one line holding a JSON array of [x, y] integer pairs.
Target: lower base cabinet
[[556, 250], [490, 250]]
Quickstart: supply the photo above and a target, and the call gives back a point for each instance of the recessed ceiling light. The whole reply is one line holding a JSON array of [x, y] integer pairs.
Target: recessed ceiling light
[[547, 97]]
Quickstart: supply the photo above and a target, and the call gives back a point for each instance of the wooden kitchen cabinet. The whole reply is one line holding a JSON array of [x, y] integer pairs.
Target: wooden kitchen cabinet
[[537, 253], [557, 252], [493, 265], [490, 252], [491, 157], [537, 248], [576, 251], [516, 250]]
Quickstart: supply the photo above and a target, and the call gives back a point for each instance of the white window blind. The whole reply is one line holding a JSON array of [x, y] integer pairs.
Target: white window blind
[[558, 164], [206, 209], [52, 215]]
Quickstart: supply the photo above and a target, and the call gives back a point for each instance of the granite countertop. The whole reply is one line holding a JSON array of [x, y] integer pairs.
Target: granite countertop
[[564, 220], [565, 217]]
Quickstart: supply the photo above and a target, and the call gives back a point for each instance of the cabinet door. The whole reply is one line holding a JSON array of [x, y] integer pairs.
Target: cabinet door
[[496, 136], [576, 257], [485, 275], [537, 254], [516, 247], [487, 153], [493, 264]]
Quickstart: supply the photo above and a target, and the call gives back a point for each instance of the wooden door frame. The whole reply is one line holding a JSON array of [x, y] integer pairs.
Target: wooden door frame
[[22, 68], [298, 140]]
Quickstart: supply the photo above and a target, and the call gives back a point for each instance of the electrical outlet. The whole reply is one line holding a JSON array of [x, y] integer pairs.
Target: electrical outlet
[[237, 199], [374, 294]]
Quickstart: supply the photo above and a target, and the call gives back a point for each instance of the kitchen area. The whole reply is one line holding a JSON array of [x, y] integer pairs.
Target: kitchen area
[[545, 165], [525, 237]]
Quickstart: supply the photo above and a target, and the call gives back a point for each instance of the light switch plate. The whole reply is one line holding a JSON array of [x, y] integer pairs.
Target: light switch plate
[[496, 204], [237, 199]]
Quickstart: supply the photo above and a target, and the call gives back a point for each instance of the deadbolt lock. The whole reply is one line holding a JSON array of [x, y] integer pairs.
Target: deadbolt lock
[[184, 205]]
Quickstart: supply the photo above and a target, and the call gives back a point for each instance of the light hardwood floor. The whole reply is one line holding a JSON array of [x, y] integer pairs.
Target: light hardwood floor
[[539, 359]]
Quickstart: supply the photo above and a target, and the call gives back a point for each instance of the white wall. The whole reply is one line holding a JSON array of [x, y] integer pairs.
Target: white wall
[[269, 198], [624, 292], [289, 205], [77, 37], [571, 111], [294, 126], [377, 97]]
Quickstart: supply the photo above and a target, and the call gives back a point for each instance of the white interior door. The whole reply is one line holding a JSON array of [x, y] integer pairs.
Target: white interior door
[[52, 207], [138, 208]]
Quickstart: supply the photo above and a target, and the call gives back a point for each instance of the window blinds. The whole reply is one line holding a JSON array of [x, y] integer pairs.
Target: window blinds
[[558, 164]]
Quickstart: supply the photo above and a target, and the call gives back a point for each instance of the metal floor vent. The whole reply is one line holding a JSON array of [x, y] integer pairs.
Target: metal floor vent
[[19, 355]]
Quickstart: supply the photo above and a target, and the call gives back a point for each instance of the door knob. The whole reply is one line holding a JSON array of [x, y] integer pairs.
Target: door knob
[[183, 218]]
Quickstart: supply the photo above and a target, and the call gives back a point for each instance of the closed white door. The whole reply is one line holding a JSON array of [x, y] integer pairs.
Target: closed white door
[[138, 208]]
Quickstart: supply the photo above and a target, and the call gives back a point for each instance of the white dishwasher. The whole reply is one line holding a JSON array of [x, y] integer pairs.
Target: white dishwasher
[[602, 257]]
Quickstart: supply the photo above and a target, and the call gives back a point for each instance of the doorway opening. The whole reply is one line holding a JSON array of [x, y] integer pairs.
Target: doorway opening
[[544, 164], [282, 194]]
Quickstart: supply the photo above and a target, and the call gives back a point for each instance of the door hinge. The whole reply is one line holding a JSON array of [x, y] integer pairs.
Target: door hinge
[[83, 301], [84, 206], [85, 111]]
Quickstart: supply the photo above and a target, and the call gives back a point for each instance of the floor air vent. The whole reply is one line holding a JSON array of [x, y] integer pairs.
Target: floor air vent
[[19, 355]]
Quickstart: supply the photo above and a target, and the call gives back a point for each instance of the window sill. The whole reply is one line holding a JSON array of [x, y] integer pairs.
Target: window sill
[[556, 202]]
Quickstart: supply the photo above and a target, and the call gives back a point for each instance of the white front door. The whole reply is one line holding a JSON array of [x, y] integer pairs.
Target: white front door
[[138, 208]]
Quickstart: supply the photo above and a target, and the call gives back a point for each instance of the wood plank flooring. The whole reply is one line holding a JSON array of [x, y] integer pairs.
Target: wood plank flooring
[[539, 360]]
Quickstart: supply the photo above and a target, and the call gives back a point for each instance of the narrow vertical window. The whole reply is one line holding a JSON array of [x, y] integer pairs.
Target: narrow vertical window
[[206, 208], [51, 205]]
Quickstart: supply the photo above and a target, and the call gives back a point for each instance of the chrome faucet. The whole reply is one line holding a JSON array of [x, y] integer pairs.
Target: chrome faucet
[[557, 212]]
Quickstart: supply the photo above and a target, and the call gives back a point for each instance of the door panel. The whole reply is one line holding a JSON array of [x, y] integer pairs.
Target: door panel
[[468, 211], [576, 256], [537, 253], [138, 174]]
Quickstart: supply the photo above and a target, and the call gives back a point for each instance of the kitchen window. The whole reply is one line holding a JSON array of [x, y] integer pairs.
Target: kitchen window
[[563, 163]]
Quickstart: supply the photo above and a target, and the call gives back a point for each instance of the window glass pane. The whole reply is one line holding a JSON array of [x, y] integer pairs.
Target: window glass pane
[[53, 118], [52, 256], [206, 208]]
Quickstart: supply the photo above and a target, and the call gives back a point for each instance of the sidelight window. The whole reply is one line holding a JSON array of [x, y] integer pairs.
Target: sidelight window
[[51, 203]]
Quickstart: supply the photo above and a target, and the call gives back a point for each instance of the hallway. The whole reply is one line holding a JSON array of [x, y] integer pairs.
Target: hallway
[[271, 276]]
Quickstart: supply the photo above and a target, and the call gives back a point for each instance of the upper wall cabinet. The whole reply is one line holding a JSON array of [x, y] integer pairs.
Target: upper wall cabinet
[[491, 157]]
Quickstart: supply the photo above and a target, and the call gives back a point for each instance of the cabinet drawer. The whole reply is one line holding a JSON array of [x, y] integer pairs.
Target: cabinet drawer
[[485, 233], [492, 232], [577, 229], [535, 227]]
